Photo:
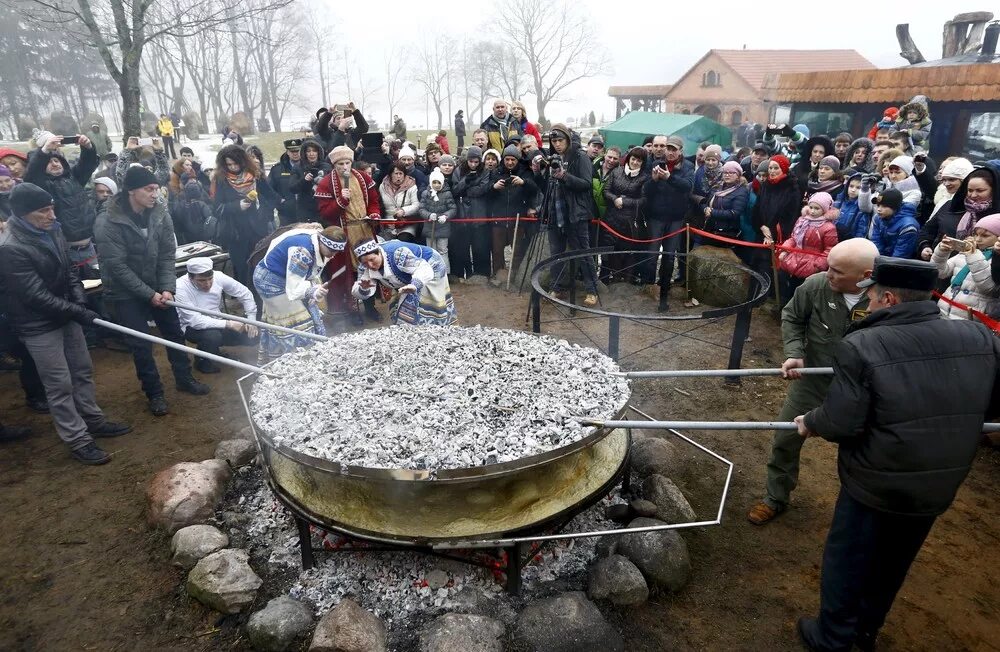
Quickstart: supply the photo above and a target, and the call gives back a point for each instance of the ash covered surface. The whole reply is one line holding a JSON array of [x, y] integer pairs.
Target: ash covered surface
[[406, 590], [435, 397]]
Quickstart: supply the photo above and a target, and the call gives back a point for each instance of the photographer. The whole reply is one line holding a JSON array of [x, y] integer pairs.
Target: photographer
[[348, 127], [155, 160], [566, 208]]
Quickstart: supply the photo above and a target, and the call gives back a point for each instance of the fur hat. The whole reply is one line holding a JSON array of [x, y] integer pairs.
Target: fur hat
[[27, 198], [432, 147], [139, 177], [341, 153], [990, 223], [494, 153], [474, 152], [957, 169], [904, 163], [831, 162], [105, 181]]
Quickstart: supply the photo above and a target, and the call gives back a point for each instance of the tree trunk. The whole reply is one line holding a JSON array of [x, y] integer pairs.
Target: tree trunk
[[131, 100]]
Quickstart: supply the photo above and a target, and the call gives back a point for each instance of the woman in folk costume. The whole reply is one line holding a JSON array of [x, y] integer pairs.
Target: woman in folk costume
[[287, 280], [418, 274], [244, 204], [349, 199]]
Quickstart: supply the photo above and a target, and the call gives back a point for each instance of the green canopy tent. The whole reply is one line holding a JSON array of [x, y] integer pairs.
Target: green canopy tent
[[632, 127]]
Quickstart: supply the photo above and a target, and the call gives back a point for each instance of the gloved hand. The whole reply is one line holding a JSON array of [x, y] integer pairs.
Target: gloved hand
[[442, 218], [433, 217], [787, 131], [87, 317]]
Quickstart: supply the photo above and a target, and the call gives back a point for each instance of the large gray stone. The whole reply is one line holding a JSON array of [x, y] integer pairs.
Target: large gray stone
[[276, 627], [463, 633], [662, 556], [224, 581], [671, 505], [652, 455], [194, 542], [186, 493], [567, 622], [618, 581], [349, 628], [643, 507], [238, 452], [714, 277]]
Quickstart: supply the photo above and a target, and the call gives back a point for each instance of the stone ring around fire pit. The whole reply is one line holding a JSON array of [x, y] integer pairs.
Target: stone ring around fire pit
[[522, 488]]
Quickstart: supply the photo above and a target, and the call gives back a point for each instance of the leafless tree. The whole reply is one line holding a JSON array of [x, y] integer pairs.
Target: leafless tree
[[511, 72], [360, 87], [480, 74], [431, 71], [277, 53], [394, 69], [558, 44], [120, 30]]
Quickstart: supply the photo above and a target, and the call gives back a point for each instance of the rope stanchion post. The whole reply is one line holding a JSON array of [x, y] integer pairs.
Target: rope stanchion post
[[513, 250], [774, 274], [687, 271], [535, 308], [741, 330], [614, 336]]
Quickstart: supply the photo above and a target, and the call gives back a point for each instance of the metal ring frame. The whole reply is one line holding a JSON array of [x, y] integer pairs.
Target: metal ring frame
[[763, 286]]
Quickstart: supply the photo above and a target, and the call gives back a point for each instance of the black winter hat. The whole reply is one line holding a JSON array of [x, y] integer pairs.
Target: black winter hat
[[139, 177], [890, 198], [27, 198]]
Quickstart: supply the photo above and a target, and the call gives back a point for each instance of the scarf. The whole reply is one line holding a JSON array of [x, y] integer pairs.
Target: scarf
[[242, 182], [802, 225], [959, 278], [726, 189], [713, 178], [973, 211], [830, 186], [776, 180]]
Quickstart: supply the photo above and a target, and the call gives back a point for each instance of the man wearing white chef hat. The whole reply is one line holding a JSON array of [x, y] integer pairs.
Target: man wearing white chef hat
[[203, 287]]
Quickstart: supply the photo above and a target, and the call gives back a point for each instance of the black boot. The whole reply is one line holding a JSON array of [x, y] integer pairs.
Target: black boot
[[14, 433], [664, 301], [206, 366], [192, 386]]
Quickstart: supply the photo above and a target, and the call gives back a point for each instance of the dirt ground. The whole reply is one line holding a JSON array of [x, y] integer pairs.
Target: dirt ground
[[81, 570]]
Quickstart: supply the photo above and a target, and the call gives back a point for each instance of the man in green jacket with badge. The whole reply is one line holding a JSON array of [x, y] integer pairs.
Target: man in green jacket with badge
[[812, 324]]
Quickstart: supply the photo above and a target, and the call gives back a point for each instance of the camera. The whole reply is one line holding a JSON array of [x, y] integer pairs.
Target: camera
[[556, 162]]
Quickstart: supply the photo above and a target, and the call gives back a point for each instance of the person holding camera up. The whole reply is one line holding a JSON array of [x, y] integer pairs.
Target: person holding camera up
[[566, 208], [339, 125]]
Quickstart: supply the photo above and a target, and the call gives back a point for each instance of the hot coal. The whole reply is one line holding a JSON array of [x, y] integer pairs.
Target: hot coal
[[435, 398]]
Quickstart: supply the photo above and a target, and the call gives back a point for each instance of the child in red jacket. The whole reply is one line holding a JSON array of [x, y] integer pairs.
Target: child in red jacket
[[814, 235], [442, 140]]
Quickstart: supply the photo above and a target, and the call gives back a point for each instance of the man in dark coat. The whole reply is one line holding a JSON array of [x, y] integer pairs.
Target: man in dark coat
[[334, 129], [667, 199], [460, 130], [907, 404], [45, 307], [567, 208], [135, 241], [285, 177]]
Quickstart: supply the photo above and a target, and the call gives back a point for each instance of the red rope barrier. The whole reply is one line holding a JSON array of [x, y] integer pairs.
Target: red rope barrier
[[604, 225], [986, 320]]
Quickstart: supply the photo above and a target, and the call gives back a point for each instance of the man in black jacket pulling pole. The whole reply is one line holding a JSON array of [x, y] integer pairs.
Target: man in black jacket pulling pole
[[907, 404], [46, 308]]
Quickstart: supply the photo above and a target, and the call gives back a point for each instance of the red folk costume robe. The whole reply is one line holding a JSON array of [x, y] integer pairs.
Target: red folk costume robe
[[359, 217]]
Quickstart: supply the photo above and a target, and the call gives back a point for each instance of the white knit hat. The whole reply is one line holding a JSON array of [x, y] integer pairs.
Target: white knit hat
[[43, 137], [105, 181], [407, 152], [904, 163], [958, 169]]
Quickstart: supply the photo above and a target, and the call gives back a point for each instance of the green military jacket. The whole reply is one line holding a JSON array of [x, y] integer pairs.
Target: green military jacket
[[815, 320]]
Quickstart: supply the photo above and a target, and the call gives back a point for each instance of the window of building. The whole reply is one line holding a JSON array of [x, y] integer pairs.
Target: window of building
[[736, 118], [823, 122], [982, 139], [711, 78]]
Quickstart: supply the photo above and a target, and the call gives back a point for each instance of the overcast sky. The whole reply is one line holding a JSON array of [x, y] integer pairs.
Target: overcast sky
[[650, 42]]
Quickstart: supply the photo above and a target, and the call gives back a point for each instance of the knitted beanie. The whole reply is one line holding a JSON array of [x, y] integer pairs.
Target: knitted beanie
[[27, 198], [139, 177]]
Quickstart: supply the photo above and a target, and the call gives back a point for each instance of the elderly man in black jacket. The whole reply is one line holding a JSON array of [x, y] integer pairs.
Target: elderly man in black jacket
[[907, 404], [45, 306], [567, 208], [135, 240]]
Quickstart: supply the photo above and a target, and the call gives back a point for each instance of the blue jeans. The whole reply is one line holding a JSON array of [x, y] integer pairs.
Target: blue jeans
[[866, 558], [658, 229], [574, 236]]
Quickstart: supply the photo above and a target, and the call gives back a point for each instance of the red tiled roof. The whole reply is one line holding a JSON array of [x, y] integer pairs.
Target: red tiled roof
[[639, 91], [758, 67], [971, 83]]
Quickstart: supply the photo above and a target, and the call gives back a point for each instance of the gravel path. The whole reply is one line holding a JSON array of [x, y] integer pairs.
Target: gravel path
[[435, 398]]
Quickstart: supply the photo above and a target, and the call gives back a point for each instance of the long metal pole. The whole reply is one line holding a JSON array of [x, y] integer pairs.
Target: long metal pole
[[714, 425], [180, 347], [698, 373], [246, 320]]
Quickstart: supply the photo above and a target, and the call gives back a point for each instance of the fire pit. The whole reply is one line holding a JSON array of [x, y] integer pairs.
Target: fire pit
[[497, 391]]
